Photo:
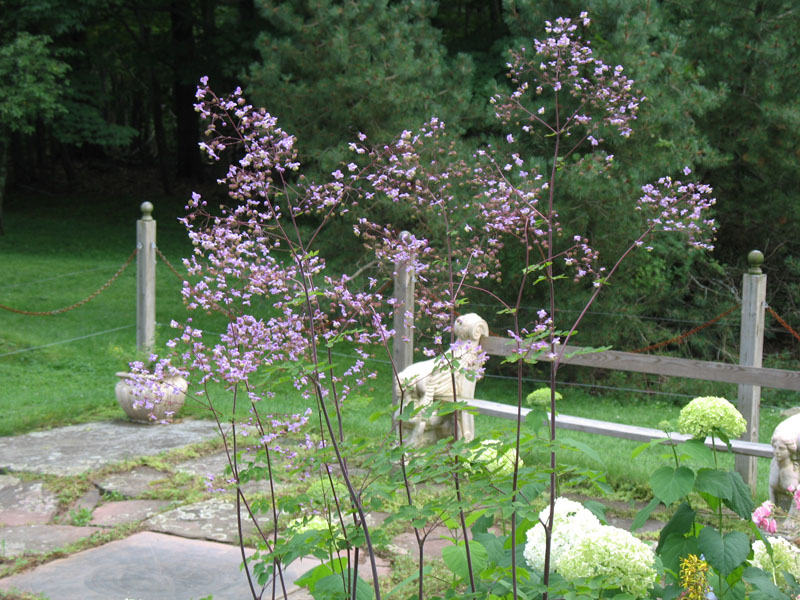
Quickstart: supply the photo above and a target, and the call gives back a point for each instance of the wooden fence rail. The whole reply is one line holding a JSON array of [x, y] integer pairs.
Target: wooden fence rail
[[618, 430], [661, 365], [748, 375]]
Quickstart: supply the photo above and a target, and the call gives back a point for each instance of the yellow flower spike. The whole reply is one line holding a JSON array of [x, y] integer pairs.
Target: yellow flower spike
[[693, 577]]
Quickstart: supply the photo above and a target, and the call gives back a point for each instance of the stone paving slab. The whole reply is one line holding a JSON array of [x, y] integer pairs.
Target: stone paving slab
[[213, 519], [131, 484], [215, 465], [76, 449], [126, 511], [147, 566], [27, 539], [25, 502]]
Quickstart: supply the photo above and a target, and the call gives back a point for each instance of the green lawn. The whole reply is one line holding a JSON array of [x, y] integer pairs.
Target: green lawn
[[57, 370]]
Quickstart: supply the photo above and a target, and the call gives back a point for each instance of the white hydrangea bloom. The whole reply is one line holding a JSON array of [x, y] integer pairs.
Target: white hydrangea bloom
[[704, 414], [625, 561], [297, 526], [786, 557], [488, 455], [571, 521]]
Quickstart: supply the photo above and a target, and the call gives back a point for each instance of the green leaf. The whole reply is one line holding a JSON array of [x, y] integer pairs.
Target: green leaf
[[713, 502], [310, 578], [741, 501], [673, 548], [495, 551], [586, 350], [581, 447], [670, 484], [697, 450], [407, 580], [644, 514], [483, 523], [724, 553], [714, 482], [646, 446], [680, 524], [597, 509], [536, 419], [531, 491], [764, 588], [333, 587], [455, 558]]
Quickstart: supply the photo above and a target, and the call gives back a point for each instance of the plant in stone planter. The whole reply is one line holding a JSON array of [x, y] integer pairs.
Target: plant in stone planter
[[157, 402], [146, 393]]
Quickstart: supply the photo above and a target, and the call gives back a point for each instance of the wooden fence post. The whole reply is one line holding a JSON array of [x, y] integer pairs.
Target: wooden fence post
[[146, 280], [751, 345], [403, 343]]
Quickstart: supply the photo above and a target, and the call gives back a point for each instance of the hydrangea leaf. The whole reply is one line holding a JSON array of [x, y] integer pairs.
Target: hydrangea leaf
[[741, 500], [332, 586], [671, 484], [495, 551], [715, 482], [697, 450], [674, 547], [679, 524], [724, 553], [581, 447], [763, 587], [597, 509], [455, 558], [644, 514]]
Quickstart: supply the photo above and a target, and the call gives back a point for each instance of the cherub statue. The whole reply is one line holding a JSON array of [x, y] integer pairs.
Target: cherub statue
[[784, 471], [426, 382]]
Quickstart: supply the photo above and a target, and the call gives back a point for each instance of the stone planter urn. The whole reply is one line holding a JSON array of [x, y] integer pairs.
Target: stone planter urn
[[145, 407]]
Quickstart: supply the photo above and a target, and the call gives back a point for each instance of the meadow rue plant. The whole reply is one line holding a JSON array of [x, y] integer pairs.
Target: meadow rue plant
[[709, 414], [258, 263]]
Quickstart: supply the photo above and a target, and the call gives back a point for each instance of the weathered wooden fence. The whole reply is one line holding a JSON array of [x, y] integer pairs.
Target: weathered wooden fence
[[748, 374]]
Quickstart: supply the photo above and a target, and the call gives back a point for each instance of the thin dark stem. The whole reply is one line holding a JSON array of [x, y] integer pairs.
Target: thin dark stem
[[518, 429], [554, 363]]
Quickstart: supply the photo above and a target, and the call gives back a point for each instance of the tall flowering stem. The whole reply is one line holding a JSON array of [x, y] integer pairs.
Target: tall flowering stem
[[255, 250], [563, 91], [466, 211]]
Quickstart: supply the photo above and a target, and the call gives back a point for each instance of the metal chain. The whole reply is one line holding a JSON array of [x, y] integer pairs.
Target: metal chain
[[169, 266], [92, 296], [782, 322], [683, 336]]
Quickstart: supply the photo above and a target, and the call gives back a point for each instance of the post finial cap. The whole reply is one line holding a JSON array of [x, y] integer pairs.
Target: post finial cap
[[755, 259], [147, 211]]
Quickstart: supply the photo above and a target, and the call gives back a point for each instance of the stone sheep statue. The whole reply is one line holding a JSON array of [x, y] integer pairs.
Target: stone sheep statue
[[784, 471], [426, 382]]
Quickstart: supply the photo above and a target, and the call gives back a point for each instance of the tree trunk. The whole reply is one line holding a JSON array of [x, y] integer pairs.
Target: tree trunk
[[157, 112], [66, 162], [184, 84], [5, 140], [158, 126]]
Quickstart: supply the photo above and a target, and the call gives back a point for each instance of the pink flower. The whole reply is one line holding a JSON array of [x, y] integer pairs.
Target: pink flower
[[795, 491], [761, 517]]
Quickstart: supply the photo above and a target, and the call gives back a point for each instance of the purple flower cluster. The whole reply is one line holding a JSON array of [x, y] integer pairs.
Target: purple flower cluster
[[565, 64], [285, 308], [671, 205]]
